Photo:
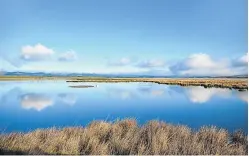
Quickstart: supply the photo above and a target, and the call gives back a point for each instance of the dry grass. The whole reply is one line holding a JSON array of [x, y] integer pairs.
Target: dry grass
[[125, 137], [241, 84], [205, 82], [235, 83]]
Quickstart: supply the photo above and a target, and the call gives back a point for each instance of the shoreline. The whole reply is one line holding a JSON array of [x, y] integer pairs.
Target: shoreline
[[126, 137], [230, 83], [240, 84]]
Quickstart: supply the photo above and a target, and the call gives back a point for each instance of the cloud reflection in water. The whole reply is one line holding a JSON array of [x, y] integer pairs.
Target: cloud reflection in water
[[68, 98], [36, 101], [199, 94], [123, 94], [243, 95]]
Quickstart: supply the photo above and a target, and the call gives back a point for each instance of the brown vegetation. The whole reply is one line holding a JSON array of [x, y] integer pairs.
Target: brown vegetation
[[125, 137], [205, 82], [235, 83]]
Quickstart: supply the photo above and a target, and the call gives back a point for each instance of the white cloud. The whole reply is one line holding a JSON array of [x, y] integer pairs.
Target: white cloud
[[200, 61], [35, 101], [244, 59], [199, 94], [68, 56], [203, 65], [241, 62], [122, 62], [36, 52], [152, 63]]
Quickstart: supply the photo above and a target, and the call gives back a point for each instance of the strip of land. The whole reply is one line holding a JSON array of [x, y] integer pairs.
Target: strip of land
[[205, 82], [231, 83], [81, 86], [125, 137]]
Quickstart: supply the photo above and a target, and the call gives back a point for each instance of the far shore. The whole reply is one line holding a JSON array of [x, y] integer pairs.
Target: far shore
[[231, 83]]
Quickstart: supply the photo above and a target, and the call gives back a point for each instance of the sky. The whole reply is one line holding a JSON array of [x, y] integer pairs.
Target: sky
[[154, 37]]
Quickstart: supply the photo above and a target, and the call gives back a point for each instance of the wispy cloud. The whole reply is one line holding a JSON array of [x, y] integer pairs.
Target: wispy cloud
[[121, 62], [6, 65], [154, 63], [68, 56], [9, 63]]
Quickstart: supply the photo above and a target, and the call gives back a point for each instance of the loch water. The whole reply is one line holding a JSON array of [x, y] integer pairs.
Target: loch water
[[25, 106]]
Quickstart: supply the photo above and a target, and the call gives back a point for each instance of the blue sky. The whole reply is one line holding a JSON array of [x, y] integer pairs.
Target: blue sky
[[161, 37]]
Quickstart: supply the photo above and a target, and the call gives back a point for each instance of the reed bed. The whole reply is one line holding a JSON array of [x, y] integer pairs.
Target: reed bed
[[125, 137], [241, 84], [231, 83]]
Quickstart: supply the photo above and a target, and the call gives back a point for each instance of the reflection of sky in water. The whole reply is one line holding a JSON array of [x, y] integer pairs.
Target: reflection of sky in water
[[199, 94], [35, 101], [29, 105]]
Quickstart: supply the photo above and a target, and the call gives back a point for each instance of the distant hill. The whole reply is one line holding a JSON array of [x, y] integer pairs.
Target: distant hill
[[73, 74], [17, 73]]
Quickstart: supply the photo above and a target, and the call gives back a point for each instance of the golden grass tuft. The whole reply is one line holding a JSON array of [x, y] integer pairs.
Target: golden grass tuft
[[125, 137]]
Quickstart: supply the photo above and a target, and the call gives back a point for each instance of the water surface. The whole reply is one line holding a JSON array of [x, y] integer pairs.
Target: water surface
[[25, 106]]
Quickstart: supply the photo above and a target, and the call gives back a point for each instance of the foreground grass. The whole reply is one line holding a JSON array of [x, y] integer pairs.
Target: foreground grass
[[125, 137]]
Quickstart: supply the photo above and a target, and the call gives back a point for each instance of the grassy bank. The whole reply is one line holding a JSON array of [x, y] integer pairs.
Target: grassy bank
[[235, 83], [205, 82], [125, 137]]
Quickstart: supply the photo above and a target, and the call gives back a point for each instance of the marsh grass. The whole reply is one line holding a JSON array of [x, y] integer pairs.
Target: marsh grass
[[231, 83], [241, 84], [126, 137]]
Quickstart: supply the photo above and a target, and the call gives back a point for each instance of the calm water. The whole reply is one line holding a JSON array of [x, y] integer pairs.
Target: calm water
[[26, 106]]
